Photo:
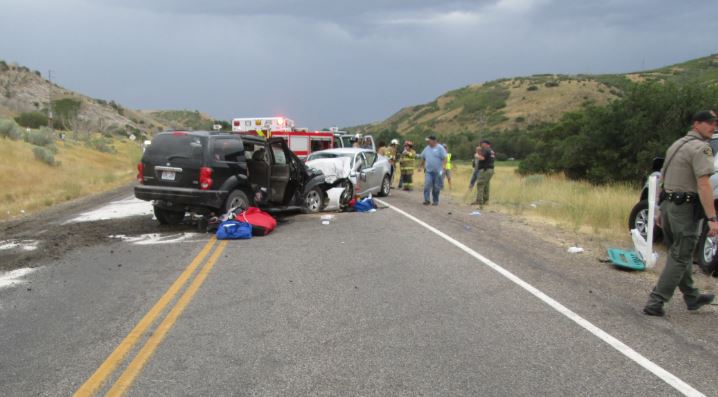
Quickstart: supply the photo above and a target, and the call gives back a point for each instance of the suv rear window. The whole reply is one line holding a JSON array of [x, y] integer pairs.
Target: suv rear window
[[227, 149], [186, 146]]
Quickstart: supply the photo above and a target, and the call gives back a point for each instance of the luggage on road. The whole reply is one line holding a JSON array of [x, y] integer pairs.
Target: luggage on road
[[234, 230], [262, 223]]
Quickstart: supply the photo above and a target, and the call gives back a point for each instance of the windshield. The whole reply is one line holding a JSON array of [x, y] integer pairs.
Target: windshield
[[329, 155]]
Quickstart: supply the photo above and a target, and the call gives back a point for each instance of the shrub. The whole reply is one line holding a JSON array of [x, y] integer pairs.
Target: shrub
[[32, 119], [101, 144], [66, 111], [44, 155], [42, 137], [10, 129], [553, 83], [520, 119], [532, 88]]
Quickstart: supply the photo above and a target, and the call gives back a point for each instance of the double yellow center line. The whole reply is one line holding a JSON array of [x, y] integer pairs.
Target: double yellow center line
[[113, 361]]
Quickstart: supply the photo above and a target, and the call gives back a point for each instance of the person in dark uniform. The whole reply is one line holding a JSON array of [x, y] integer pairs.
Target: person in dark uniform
[[687, 197], [486, 172]]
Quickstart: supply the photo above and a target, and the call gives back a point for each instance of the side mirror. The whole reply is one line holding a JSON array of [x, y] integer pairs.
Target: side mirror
[[657, 163]]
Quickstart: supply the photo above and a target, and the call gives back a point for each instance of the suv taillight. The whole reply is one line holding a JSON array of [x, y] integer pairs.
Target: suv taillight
[[205, 178], [140, 173]]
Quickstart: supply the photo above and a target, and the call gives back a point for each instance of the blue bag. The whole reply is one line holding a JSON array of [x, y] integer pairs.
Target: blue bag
[[234, 230]]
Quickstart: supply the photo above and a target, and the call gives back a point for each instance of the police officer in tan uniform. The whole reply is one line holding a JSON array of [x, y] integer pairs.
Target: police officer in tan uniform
[[687, 197]]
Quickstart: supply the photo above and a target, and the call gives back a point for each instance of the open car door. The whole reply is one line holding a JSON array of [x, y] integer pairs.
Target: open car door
[[280, 170]]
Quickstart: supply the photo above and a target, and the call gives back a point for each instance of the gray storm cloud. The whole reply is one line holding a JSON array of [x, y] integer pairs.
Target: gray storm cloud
[[336, 62]]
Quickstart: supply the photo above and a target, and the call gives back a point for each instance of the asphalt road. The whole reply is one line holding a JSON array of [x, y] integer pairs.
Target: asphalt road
[[371, 304]]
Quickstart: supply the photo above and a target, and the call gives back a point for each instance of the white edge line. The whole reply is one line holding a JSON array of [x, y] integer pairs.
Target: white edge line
[[624, 349]]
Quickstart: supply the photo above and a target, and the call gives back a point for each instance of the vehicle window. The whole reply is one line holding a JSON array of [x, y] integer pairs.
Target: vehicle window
[[360, 162], [227, 149], [177, 145], [279, 156], [370, 158], [346, 141], [714, 146]]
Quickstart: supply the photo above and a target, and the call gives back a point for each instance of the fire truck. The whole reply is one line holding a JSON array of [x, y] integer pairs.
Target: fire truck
[[301, 141]]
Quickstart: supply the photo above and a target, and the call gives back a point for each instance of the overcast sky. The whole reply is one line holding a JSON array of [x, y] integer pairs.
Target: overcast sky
[[336, 62]]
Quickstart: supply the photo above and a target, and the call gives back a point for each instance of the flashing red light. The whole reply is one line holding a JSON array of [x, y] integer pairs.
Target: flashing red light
[[205, 178], [280, 121], [235, 123], [179, 133], [141, 173]]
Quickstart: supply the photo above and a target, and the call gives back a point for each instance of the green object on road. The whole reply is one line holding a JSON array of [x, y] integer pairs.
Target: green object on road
[[626, 259]]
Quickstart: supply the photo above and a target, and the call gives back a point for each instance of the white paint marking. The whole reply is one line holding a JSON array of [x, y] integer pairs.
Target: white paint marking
[[14, 277], [664, 375], [126, 207], [156, 238]]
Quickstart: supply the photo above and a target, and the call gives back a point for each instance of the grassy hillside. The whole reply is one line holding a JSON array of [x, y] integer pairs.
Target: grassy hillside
[[179, 119], [29, 184], [519, 102]]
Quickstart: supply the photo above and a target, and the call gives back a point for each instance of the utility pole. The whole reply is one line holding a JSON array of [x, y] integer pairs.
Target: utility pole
[[49, 106]]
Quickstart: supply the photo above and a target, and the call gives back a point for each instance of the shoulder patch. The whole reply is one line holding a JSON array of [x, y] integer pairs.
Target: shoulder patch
[[708, 151]]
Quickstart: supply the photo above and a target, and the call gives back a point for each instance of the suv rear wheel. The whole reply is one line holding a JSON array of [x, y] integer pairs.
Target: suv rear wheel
[[708, 253], [314, 200], [236, 199], [639, 220], [168, 217]]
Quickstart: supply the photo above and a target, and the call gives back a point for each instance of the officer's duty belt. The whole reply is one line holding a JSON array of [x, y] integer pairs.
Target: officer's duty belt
[[680, 197]]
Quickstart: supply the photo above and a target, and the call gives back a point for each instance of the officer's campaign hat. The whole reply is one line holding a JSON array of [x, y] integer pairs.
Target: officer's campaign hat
[[705, 115]]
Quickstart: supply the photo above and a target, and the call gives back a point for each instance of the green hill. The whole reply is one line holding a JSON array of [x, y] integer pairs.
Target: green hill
[[517, 103]]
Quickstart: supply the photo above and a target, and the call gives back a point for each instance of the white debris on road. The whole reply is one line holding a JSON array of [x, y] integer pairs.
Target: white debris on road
[[124, 208], [14, 277], [575, 250], [25, 245], [156, 238]]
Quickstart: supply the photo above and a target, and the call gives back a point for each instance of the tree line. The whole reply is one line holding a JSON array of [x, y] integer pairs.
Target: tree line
[[612, 143]]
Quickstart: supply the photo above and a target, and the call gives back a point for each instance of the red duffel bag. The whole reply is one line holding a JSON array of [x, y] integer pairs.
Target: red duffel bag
[[262, 223]]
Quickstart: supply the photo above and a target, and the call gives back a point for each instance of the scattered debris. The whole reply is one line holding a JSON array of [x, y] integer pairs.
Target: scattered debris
[[475, 213], [25, 245], [156, 238], [117, 209], [534, 205], [327, 219], [575, 250], [14, 277]]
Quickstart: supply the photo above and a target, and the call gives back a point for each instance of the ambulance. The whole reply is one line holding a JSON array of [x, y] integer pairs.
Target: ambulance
[[301, 141]]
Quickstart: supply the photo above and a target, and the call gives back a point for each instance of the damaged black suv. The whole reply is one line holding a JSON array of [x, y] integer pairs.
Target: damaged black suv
[[213, 172]]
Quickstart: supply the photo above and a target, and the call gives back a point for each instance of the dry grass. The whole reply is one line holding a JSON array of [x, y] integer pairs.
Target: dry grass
[[577, 206], [30, 185]]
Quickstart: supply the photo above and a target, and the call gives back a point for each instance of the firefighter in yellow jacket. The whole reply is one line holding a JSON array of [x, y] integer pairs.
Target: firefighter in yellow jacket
[[406, 163]]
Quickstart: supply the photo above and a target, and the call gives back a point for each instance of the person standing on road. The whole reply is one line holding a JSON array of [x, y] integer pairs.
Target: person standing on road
[[447, 171], [381, 151], [433, 162], [390, 154], [475, 166], [408, 156], [486, 172], [687, 197]]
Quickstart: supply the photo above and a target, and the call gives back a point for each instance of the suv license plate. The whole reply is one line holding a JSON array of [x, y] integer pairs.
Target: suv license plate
[[168, 176]]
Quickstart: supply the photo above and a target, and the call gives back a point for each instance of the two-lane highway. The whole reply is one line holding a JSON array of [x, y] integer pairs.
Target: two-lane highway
[[371, 304]]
